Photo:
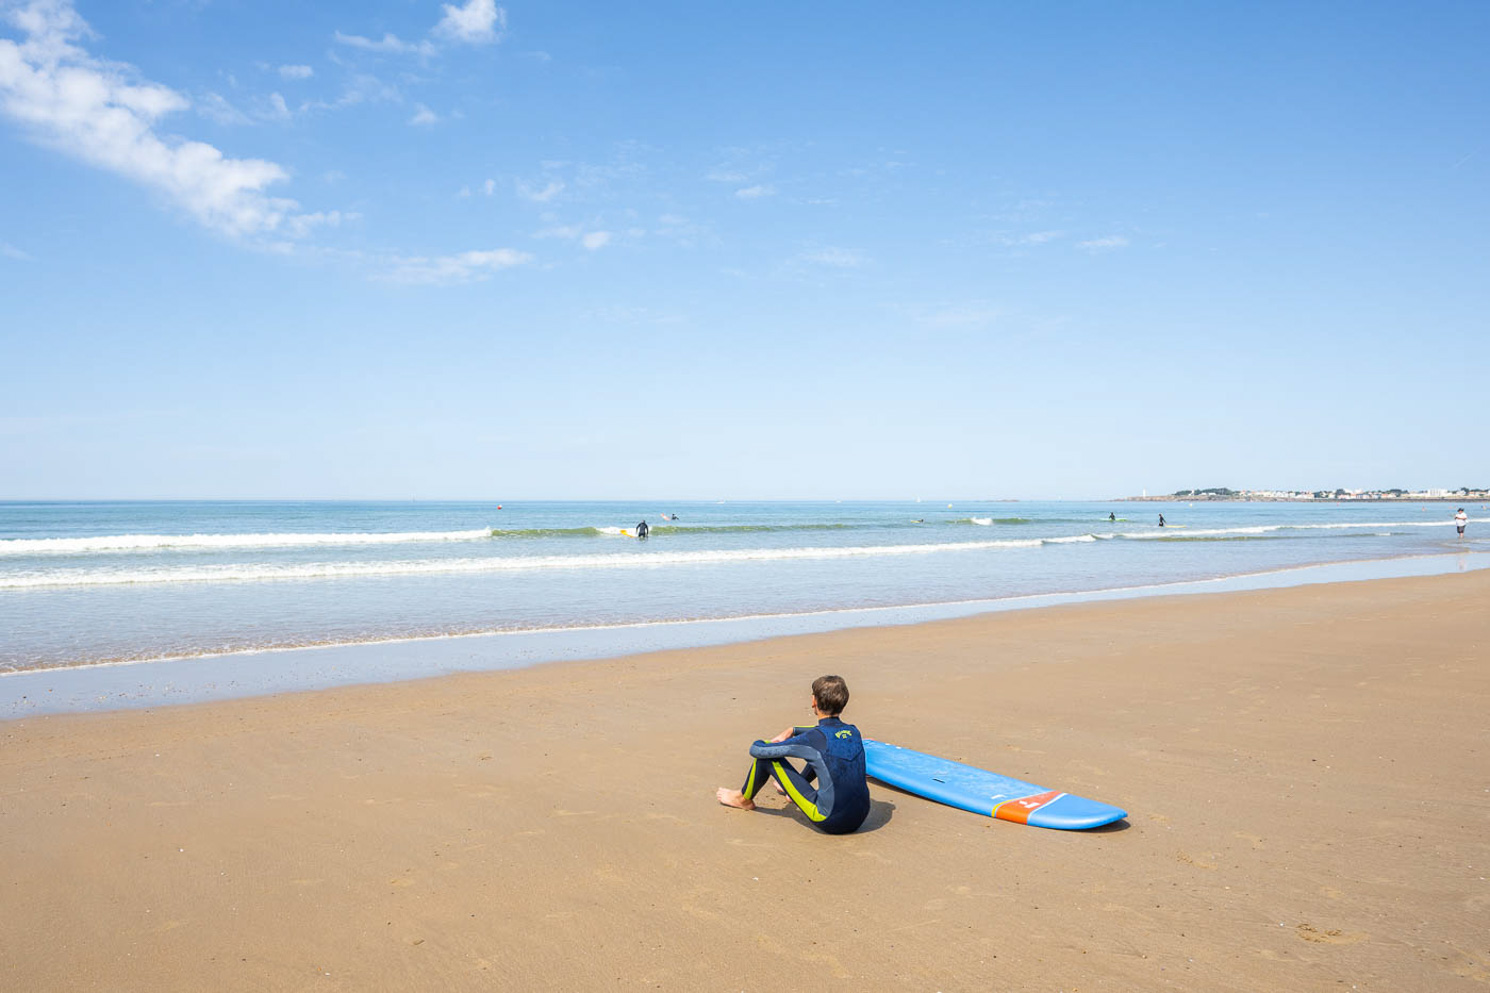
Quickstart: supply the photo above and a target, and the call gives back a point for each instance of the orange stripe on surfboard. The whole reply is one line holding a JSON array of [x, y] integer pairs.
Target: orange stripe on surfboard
[[1019, 811]]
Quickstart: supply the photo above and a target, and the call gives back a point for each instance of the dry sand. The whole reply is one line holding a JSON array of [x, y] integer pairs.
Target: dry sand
[[1305, 770]]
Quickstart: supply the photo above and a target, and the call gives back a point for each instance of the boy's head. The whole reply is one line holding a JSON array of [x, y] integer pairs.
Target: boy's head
[[830, 694]]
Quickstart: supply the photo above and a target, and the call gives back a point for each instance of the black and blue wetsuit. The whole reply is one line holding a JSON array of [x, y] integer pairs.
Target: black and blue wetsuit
[[834, 753]]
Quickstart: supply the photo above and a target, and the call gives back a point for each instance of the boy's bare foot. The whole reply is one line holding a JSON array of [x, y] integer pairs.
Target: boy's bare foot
[[734, 798]]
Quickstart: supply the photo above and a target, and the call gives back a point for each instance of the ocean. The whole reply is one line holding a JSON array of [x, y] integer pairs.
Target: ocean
[[131, 582]]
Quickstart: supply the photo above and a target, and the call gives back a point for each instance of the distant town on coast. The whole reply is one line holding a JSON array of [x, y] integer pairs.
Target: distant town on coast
[[1466, 493]]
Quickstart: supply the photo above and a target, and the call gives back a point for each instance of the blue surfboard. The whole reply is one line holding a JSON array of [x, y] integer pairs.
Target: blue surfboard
[[982, 792]]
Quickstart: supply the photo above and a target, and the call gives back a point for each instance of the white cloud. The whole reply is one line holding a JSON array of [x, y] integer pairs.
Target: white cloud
[[278, 109], [105, 114], [296, 72], [595, 240], [726, 176], [489, 187], [1107, 244], [568, 231], [390, 43], [478, 22], [10, 251], [302, 225], [423, 116], [466, 267], [553, 189], [1041, 237], [755, 192]]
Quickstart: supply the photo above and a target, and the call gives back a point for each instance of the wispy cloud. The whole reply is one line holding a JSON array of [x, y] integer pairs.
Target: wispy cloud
[[215, 107], [362, 88], [1108, 244], [833, 258], [296, 72], [423, 116], [465, 267], [960, 316], [551, 190], [595, 240], [565, 231], [105, 114], [389, 44], [755, 192], [9, 251], [301, 225], [478, 22]]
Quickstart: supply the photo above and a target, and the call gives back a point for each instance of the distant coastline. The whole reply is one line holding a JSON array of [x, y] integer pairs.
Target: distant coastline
[[1224, 493]]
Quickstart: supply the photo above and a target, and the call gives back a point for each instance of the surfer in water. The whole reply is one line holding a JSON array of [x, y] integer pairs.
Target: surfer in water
[[1112, 517], [642, 531], [1161, 520], [834, 755]]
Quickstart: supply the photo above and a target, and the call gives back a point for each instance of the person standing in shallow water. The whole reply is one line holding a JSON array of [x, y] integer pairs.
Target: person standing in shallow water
[[1161, 520], [1461, 519], [834, 755]]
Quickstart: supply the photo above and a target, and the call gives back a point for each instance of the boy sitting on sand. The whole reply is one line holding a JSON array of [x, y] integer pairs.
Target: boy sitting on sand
[[834, 753]]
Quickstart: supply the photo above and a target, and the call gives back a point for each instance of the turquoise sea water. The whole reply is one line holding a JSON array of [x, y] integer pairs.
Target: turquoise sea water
[[84, 583]]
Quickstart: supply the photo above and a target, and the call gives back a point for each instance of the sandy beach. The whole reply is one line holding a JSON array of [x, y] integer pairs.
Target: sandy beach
[[1305, 772]]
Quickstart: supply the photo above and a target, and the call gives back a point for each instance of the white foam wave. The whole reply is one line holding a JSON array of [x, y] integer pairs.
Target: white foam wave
[[156, 542], [1172, 532], [248, 572]]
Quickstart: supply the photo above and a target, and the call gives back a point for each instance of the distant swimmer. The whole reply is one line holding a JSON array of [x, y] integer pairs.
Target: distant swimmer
[[642, 530], [1461, 519], [1161, 520], [1112, 517]]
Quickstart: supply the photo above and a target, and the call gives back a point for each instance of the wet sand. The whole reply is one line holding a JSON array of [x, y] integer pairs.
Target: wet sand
[[1307, 773]]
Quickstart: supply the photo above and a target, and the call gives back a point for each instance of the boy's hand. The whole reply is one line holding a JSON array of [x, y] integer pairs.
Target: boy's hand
[[783, 736]]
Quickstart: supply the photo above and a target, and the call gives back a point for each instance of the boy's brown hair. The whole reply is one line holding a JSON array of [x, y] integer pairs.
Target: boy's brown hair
[[831, 694]]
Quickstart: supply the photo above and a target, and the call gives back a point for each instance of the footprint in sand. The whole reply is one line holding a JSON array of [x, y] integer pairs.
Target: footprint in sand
[[1331, 936], [1191, 860]]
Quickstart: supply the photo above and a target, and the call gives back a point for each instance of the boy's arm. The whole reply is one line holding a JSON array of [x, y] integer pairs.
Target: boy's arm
[[792, 746]]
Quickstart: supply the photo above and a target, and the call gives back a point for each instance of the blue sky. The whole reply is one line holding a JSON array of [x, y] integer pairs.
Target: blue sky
[[584, 250]]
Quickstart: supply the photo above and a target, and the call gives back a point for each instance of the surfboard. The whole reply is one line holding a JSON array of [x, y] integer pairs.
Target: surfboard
[[982, 792]]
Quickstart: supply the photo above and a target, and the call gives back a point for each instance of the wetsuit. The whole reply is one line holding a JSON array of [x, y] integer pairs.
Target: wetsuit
[[834, 753]]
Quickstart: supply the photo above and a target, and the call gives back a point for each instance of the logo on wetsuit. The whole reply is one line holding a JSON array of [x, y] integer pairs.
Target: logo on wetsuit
[[843, 734]]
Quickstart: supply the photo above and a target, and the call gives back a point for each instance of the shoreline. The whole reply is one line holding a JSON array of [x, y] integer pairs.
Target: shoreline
[[1303, 769], [198, 678], [176, 680]]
